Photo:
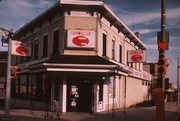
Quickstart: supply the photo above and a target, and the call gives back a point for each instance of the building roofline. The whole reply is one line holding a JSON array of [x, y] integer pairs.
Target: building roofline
[[118, 22], [37, 17], [100, 3]]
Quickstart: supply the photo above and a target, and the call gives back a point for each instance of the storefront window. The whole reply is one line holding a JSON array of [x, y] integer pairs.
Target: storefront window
[[23, 86], [101, 90], [112, 87]]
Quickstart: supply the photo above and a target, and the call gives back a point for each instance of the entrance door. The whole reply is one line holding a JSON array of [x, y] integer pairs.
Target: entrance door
[[85, 96], [80, 95]]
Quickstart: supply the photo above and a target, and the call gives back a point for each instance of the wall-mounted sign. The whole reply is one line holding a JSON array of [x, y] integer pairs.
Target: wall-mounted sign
[[137, 56], [80, 39], [20, 48], [141, 75]]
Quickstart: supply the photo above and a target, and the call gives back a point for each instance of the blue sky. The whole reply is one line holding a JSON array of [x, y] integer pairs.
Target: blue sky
[[139, 15]]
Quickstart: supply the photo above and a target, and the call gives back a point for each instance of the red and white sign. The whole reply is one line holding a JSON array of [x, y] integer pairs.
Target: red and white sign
[[140, 75], [137, 56], [20, 48], [81, 39]]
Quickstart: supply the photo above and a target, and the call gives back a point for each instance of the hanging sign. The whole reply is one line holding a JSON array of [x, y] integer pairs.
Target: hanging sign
[[137, 56], [20, 48], [81, 39]]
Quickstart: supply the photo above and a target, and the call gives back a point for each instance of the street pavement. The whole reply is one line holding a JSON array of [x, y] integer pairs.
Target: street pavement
[[137, 113]]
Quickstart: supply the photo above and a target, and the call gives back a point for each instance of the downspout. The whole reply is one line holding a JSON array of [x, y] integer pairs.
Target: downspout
[[96, 46], [113, 106], [124, 41], [125, 96]]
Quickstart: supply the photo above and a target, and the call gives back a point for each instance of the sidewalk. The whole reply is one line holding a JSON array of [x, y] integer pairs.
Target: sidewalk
[[138, 113]]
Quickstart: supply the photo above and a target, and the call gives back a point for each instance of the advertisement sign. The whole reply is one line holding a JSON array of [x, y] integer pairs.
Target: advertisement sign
[[81, 39], [140, 75], [137, 56], [20, 48]]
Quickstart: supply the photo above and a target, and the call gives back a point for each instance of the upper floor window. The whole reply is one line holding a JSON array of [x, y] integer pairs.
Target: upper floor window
[[45, 46], [28, 58], [56, 42], [104, 44], [113, 49], [36, 44], [120, 53]]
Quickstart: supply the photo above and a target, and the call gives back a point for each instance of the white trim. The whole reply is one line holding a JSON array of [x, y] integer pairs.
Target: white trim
[[105, 32], [122, 73], [125, 67], [81, 65], [73, 2], [45, 34], [81, 70], [57, 28]]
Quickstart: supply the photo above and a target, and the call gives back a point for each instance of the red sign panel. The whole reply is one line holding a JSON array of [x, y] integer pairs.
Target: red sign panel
[[137, 56], [81, 39], [20, 48]]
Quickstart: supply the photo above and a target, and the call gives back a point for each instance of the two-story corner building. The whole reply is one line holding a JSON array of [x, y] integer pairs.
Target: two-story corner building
[[79, 58]]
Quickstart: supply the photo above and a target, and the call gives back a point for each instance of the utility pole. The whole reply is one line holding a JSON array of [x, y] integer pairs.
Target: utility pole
[[162, 67], [8, 82], [178, 66], [8, 77]]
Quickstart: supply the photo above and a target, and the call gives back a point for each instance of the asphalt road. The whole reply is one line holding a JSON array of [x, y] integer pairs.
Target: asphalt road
[[131, 114]]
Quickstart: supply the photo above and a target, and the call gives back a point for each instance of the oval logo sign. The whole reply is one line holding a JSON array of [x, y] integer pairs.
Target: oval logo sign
[[136, 58], [22, 50], [80, 41]]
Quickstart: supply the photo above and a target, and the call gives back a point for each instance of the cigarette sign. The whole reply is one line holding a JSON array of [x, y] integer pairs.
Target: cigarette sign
[[20, 48], [137, 56], [81, 39]]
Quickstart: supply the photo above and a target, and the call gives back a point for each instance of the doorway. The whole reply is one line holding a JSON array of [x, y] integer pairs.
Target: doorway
[[80, 95]]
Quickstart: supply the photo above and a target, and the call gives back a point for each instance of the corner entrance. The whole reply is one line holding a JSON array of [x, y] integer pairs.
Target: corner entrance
[[79, 95]]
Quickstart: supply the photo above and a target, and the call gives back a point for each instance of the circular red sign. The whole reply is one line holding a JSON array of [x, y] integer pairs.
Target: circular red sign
[[80, 41], [136, 58], [22, 50]]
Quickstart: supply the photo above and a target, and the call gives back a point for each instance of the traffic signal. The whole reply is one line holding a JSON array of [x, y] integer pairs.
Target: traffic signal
[[162, 66], [4, 39], [11, 35], [161, 53], [17, 72], [161, 45], [166, 39]]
